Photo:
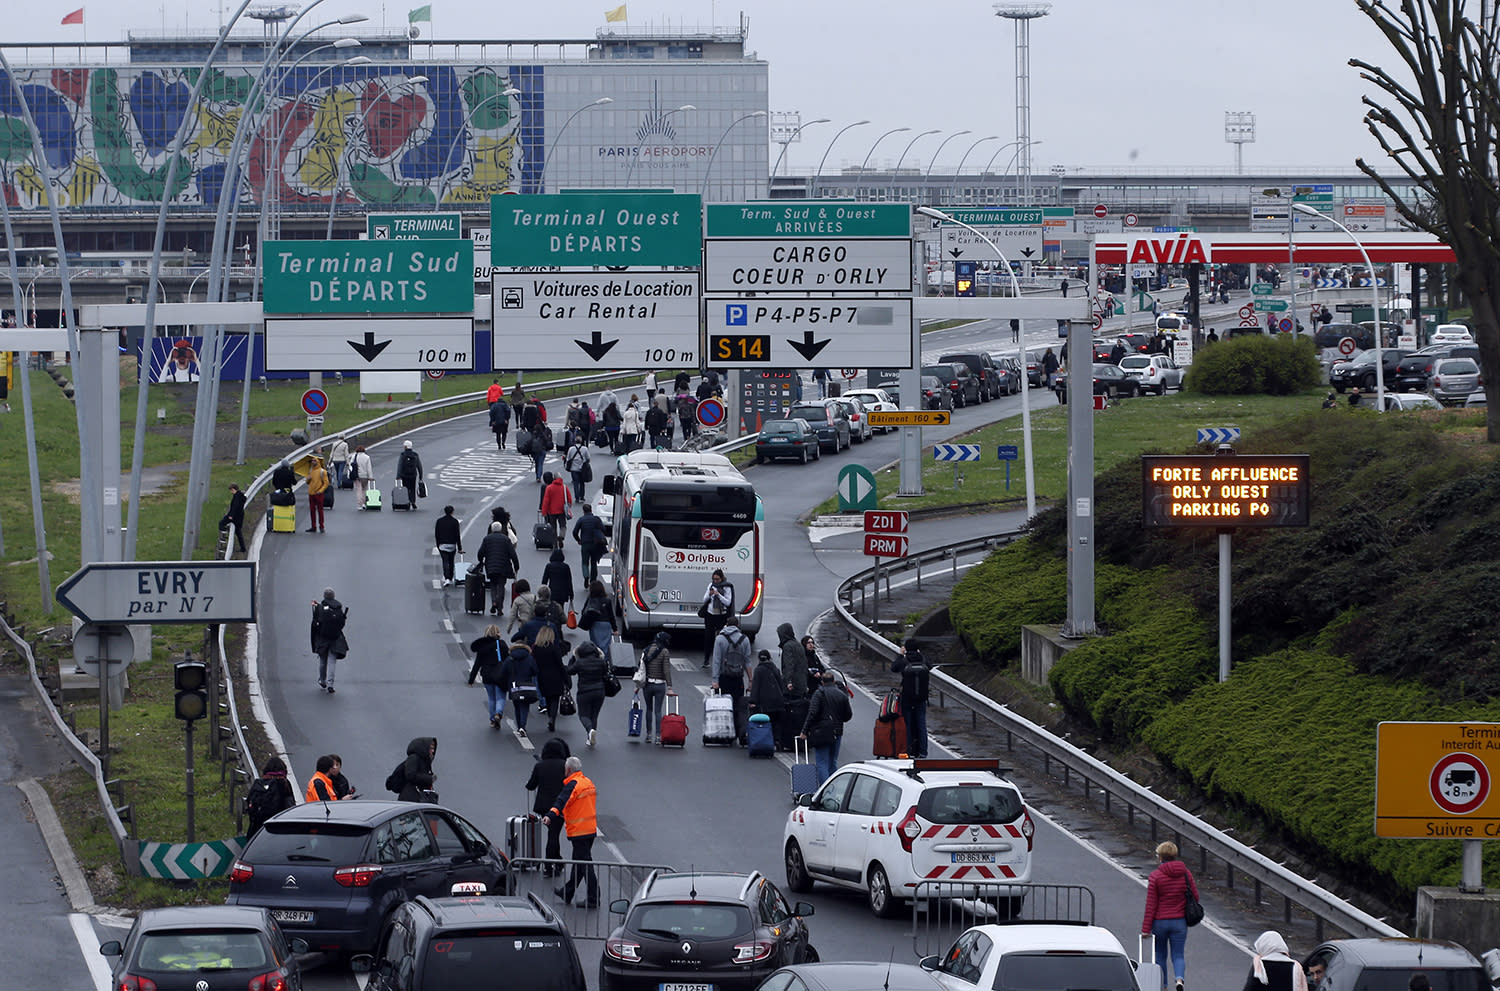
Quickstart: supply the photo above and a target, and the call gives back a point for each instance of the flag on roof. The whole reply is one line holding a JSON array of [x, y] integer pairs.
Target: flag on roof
[[74, 18], [423, 13], [618, 14]]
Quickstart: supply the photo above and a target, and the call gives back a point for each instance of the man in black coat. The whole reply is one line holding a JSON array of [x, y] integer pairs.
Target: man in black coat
[[417, 775], [500, 423], [328, 619], [497, 555], [592, 539], [912, 668], [448, 535], [409, 471], [235, 516], [546, 780]]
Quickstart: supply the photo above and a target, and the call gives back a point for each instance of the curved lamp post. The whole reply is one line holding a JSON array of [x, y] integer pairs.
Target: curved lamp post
[[642, 143], [542, 179], [866, 162], [959, 171], [1015, 288], [787, 143], [703, 189], [928, 177], [819, 173], [913, 141], [1303, 208]]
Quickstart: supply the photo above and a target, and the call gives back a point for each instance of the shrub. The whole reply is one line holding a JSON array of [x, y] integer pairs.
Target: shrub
[[1255, 364], [1021, 585]]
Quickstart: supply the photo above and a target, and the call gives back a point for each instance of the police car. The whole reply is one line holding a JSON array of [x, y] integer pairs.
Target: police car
[[888, 827]]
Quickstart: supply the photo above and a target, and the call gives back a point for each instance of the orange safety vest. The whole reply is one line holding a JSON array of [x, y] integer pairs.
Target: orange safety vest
[[312, 793], [578, 812]]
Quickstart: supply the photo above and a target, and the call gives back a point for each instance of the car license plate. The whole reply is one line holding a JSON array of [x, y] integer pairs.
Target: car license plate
[[973, 858], [779, 440], [291, 915], [686, 987]]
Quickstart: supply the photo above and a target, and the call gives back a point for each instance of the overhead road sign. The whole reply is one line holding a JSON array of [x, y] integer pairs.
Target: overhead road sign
[[1417, 247], [1016, 232], [161, 592], [570, 320], [885, 545], [360, 277], [886, 521], [909, 418], [736, 265], [1436, 780], [795, 220], [610, 229], [956, 452], [795, 332], [413, 344], [414, 226], [1215, 490]]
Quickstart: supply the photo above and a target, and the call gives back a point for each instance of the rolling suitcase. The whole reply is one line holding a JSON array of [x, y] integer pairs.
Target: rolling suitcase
[[1147, 973], [543, 535], [890, 737], [372, 499], [761, 736], [804, 771], [400, 498], [523, 840], [636, 720], [674, 727], [473, 591], [282, 519], [718, 721], [328, 497]]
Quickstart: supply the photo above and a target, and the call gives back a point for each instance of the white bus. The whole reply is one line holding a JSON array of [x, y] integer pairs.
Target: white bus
[[676, 517]]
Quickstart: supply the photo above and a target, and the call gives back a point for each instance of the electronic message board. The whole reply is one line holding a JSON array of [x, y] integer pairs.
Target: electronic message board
[[1222, 491]]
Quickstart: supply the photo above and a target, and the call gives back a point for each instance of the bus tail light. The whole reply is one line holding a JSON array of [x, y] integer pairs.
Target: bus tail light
[[755, 596], [635, 595]]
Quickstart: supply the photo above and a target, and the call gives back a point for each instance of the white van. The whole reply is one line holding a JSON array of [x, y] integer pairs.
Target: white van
[[1174, 325]]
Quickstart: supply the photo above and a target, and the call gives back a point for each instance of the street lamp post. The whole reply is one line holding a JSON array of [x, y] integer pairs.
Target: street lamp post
[[818, 174], [642, 143], [959, 171], [787, 143], [542, 179], [913, 141], [866, 162], [928, 178], [1303, 208], [703, 191], [1015, 288]]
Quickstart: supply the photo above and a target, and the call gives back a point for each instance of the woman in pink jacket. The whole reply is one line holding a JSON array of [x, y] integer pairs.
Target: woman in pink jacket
[[1166, 906]]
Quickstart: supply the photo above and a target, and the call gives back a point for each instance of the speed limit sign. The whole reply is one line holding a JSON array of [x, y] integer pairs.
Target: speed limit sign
[[850, 373], [434, 373]]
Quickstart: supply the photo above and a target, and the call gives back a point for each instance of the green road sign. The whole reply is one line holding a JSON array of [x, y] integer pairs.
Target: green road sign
[[1273, 305], [573, 229], [856, 489], [1262, 289], [808, 219], [1000, 217], [413, 226], [368, 276]]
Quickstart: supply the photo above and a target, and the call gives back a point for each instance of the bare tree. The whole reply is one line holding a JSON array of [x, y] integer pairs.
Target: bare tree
[[1437, 126]]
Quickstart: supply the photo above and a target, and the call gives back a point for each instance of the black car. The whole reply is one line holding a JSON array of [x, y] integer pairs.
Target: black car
[[203, 946], [961, 382], [982, 366], [463, 942], [721, 931], [1360, 370], [936, 394], [793, 438], [1415, 368], [1108, 381], [333, 872], [1329, 335]]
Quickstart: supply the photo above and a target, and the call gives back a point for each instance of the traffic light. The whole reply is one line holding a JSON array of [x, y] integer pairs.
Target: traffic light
[[963, 278], [190, 678]]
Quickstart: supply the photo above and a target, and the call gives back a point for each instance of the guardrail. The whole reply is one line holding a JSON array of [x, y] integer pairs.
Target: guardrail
[[1099, 780]]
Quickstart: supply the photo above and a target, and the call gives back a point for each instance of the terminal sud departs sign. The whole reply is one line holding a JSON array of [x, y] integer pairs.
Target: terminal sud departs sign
[[1435, 780], [1216, 490], [362, 277], [596, 228]]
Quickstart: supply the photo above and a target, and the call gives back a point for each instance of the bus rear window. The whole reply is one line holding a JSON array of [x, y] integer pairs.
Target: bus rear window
[[698, 503], [696, 536]]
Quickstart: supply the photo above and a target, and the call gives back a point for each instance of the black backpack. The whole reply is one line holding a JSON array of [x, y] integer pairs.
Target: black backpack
[[396, 780], [330, 620], [737, 657], [544, 437], [262, 801]]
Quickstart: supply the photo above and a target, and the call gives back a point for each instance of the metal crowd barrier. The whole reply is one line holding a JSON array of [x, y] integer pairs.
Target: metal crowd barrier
[[616, 881], [942, 910]]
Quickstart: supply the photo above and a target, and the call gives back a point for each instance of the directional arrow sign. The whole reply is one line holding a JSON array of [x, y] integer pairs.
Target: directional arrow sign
[[1218, 435], [161, 592], [632, 318], [1274, 305], [885, 521], [1015, 242], [856, 489], [788, 332], [885, 545], [956, 452], [909, 418], [184, 861], [410, 344]]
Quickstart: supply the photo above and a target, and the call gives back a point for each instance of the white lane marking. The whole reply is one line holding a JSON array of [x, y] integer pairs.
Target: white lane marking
[[818, 534], [88, 944], [448, 624]]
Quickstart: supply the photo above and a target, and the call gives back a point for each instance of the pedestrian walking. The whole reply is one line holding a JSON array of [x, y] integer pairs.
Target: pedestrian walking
[[593, 540], [489, 664], [284, 478], [827, 711], [320, 786], [820, 376], [448, 536], [718, 606], [1015, 331], [556, 504], [541, 436], [577, 463], [338, 460], [632, 425], [362, 470], [912, 667], [328, 642], [268, 794], [658, 423], [767, 697], [653, 681], [417, 776], [497, 556], [1166, 907], [815, 665], [1272, 967], [687, 414], [522, 605], [650, 387], [575, 805], [731, 664], [597, 617], [558, 578], [1049, 368], [1065, 288], [519, 676], [317, 491], [342, 789], [793, 662], [495, 393], [409, 471], [544, 612], [547, 775], [500, 423], [235, 516], [592, 671], [551, 674], [613, 419]]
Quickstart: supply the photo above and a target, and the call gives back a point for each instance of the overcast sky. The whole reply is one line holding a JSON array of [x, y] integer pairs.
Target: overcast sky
[[1142, 84]]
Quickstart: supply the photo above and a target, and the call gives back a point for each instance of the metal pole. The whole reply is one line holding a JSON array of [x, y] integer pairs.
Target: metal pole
[[788, 141], [188, 773], [1374, 299], [1225, 618], [813, 192]]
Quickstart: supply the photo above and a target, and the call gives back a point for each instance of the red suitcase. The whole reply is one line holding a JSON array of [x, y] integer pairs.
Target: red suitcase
[[890, 737], [674, 727]]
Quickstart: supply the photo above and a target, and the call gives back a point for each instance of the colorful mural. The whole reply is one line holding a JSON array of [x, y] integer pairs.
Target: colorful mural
[[363, 134]]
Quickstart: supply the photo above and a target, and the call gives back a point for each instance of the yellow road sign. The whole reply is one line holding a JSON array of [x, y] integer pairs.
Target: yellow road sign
[[909, 418], [1436, 780]]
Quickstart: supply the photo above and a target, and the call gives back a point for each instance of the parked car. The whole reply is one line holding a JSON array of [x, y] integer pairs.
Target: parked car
[[1411, 400], [1329, 335], [1109, 381], [936, 394], [463, 941], [1155, 372], [851, 975], [875, 400], [1104, 351], [887, 826], [1035, 376], [1136, 342], [172, 949], [791, 438], [1477, 399], [1010, 375], [960, 381], [982, 367], [1037, 956], [703, 930], [1360, 369], [333, 872], [1453, 379], [1384, 964], [827, 418], [1452, 333], [859, 425]]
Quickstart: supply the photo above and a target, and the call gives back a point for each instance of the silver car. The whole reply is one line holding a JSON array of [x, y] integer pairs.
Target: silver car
[[1156, 372], [1453, 379]]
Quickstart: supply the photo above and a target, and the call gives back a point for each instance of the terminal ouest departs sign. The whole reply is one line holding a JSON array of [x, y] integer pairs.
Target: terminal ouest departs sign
[[596, 228], [359, 277], [1225, 491]]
